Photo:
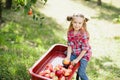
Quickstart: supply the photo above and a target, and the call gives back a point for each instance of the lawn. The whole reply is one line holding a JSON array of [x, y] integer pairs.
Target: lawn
[[22, 42]]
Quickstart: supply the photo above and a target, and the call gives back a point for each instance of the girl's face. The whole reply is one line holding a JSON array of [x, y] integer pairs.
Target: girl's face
[[77, 23]]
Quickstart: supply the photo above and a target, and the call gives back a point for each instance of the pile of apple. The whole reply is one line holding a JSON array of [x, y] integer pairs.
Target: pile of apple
[[59, 72]]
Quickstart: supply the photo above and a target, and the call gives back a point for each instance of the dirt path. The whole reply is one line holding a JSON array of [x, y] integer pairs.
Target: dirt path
[[102, 32]]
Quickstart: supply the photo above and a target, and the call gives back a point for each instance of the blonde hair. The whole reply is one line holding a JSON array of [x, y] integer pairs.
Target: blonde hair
[[71, 18]]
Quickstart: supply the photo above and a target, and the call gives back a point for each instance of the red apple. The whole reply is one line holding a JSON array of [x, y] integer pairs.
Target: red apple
[[60, 66], [30, 12], [52, 74], [58, 73], [47, 75], [67, 72], [55, 78], [56, 68], [70, 66], [47, 71], [62, 78], [42, 73], [49, 66]]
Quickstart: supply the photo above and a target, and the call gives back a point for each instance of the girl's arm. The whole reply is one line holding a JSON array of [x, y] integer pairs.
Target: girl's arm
[[79, 57], [69, 51]]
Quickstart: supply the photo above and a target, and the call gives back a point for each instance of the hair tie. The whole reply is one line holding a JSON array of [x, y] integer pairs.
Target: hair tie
[[86, 19], [69, 18]]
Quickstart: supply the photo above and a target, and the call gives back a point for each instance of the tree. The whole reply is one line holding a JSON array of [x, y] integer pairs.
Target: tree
[[0, 11], [8, 4], [26, 4], [99, 2]]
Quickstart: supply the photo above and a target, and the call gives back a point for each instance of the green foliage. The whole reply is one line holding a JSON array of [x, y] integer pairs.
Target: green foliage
[[26, 2], [117, 19]]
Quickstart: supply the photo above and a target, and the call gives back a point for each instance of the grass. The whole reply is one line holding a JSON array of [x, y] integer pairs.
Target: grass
[[103, 69], [24, 40]]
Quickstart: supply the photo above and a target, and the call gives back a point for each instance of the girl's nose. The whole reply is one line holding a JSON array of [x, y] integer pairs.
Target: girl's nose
[[77, 24]]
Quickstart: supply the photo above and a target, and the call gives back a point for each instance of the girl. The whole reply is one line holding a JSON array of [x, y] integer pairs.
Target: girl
[[78, 45]]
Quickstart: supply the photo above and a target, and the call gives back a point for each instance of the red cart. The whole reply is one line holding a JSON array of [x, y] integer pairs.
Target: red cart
[[54, 55]]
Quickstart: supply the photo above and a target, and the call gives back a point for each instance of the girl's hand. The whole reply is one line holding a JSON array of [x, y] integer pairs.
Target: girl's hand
[[68, 59], [75, 61]]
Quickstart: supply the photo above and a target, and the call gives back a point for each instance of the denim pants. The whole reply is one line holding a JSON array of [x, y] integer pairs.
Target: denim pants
[[82, 69]]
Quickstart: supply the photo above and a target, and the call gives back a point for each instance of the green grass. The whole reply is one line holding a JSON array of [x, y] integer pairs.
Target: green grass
[[103, 69]]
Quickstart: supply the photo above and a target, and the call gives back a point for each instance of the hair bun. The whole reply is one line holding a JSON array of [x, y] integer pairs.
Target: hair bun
[[86, 19], [69, 18]]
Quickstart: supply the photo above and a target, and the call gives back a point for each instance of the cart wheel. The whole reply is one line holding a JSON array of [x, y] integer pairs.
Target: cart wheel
[[77, 77]]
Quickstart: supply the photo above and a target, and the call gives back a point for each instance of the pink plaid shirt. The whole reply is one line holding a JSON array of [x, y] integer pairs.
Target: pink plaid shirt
[[78, 43]]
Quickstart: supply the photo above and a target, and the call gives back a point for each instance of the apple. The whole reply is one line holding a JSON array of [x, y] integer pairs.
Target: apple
[[42, 73], [47, 75], [66, 63], [30, 12], [47, 71], [60, 66], [55, 78], [58, 73], [56, 68], [62, 78], [49, 66], [70, 66], [67, 72], [52, 74]]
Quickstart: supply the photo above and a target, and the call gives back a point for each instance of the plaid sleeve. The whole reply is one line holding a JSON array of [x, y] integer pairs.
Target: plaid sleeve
[[85, 45], [69, 42]]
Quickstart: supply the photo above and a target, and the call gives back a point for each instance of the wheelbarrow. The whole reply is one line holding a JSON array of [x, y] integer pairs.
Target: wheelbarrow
[[55, 56]]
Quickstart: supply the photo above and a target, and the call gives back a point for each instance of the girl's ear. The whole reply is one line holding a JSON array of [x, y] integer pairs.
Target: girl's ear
[[69, 18], [86, 19]]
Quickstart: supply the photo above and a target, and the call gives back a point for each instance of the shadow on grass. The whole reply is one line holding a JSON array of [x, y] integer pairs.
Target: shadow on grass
[[117, 38], [106, 11], [103, 67]]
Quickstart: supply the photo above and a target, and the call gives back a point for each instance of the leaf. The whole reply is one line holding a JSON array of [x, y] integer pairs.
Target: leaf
[[34, 17], [45, 1], [33, 1], [42, 17]]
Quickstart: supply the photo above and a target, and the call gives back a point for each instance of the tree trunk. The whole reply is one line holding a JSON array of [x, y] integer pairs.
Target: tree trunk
[[8, 4], [0, 11], [99, 2], [87, 0]]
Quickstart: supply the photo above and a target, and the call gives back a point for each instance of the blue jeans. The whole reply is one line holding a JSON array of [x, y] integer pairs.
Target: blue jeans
[[82, 69]]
